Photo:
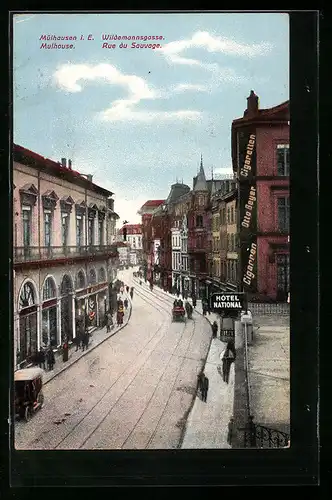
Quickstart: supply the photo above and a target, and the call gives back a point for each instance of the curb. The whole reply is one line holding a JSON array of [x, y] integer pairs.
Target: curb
[[91, 348]]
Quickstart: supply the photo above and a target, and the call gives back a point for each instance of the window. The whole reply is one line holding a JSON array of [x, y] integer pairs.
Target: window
[[92, 277], [47, 227], [26, 212], [283, 159], [79, 230], [232, 215], [91, 225], [65, 228], [101, 232], [49, 290], [80, 280], [283, 214], [199, 220], [228, 215]]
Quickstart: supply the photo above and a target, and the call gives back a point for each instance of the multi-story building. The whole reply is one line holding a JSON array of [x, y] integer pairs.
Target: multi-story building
[[134, 239], [176, 253], [162, 222], [124, 253], [260, 155], [63, 259], [199, 233], [230, 200], [146, 212]]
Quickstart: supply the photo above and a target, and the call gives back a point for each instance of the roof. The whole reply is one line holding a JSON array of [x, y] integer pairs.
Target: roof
[[27, 374], [131, 228], [153, 203], [19, 153], [200, 183], [177, 190], [267, 114]]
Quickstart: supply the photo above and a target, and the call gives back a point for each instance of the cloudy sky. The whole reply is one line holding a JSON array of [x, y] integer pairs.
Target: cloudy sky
[[138, 119]]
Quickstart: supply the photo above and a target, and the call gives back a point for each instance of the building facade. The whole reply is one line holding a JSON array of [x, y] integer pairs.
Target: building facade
[[146, 212], [260, 155], [134, 240], [176, 253], [63, 258]]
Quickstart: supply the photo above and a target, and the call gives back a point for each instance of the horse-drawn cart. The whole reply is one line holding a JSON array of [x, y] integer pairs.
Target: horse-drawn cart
[[178, 313]]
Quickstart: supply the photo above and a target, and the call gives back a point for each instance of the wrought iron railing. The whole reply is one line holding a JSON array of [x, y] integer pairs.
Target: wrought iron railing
[[31, 254], [259, 436]]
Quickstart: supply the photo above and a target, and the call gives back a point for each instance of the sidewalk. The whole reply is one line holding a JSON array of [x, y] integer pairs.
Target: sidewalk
[[269, 370], [207, 424], [98, 337]]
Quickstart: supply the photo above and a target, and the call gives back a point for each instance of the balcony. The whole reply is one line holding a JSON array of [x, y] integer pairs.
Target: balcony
[[35, 254]]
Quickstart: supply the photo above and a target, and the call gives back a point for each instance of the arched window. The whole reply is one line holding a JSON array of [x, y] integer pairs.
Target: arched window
[[92, 277], [49, 289], [27, 296], [101, 275], [66, 285], [80, 280]]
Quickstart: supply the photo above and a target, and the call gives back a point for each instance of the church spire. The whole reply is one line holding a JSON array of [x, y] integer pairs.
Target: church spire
[[200, 184], [201, 169]]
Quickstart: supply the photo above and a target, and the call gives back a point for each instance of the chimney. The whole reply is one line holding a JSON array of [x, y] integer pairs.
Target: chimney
[[252, 104], [89, 177], [69, 164], [64, 162]]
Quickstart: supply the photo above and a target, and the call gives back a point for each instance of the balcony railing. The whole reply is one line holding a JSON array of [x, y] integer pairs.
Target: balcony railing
[[31, 254]]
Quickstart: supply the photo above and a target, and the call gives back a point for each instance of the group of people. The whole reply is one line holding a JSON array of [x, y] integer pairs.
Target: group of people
[[45, 358], [82, 340]]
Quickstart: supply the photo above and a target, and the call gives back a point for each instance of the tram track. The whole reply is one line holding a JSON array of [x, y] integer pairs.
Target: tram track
[[150, 299], [163, 306]]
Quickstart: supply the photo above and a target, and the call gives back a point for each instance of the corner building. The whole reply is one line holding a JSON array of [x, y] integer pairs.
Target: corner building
[[63, 260], [260, 156]]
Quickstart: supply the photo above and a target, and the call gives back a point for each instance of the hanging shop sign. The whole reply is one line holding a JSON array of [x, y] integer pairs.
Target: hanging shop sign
[[222, 302], [91, 308], [248, 208]]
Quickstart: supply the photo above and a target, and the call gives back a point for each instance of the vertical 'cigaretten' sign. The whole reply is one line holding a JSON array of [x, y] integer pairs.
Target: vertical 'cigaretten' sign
[[248, 208]]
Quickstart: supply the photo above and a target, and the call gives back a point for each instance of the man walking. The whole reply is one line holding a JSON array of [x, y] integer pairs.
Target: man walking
[[205, 388]]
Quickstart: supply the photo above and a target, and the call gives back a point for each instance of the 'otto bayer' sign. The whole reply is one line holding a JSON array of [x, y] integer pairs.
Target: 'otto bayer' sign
[[222, 302]]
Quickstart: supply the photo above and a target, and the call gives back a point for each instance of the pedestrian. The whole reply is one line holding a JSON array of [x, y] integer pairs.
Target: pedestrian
[[214, 329], [78, 339], [227, 360], [200, 384], [204, 308], [205, 387], [194, 301], [127, 289], [109, 322], [125, 303], [50, 358], [41, 358], [85, 341], [230, 433]]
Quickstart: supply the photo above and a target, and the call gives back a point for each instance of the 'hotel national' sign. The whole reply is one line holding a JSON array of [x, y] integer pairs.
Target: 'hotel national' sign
[[222, 302]]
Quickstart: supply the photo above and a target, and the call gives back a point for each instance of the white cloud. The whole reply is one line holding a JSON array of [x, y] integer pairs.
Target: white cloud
[[183, 87], [212, 43], [68, 76], [17, 18]]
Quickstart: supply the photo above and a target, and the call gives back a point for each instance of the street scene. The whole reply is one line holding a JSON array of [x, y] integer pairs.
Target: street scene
[[151, 245]]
